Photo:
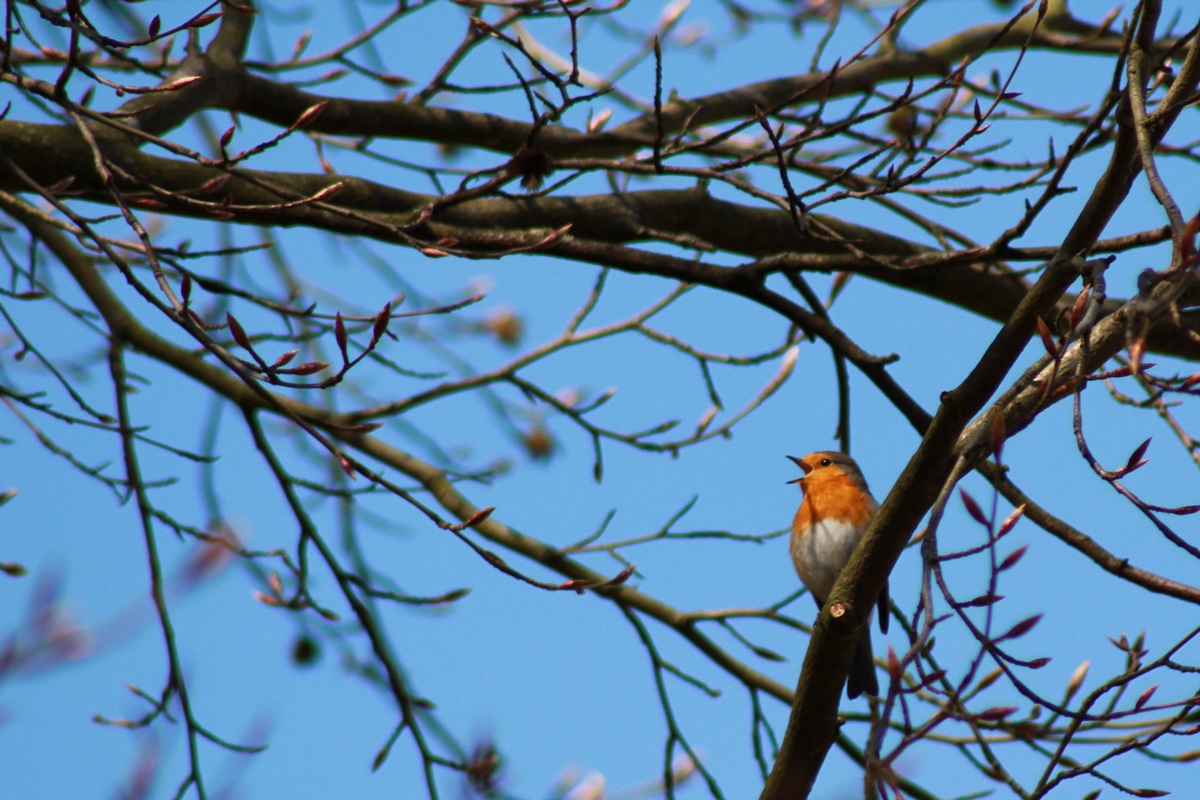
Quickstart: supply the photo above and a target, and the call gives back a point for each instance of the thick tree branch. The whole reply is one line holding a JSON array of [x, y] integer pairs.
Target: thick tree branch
[[494, 226]]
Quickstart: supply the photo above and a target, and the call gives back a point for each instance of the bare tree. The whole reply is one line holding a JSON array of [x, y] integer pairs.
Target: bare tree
[[938, 166]]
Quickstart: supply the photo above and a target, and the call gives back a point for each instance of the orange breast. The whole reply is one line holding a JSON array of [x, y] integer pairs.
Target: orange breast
[[837, 498]]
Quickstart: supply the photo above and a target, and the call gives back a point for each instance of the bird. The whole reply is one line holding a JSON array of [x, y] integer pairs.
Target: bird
[[836, 509]]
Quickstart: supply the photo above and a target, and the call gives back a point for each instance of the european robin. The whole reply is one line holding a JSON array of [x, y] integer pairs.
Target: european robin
[[835, 511]]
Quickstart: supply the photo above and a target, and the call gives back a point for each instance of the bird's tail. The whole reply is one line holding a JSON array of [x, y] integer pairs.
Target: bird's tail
[[862, 671]]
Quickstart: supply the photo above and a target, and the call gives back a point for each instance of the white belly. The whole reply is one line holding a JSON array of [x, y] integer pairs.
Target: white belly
[[820, 556]]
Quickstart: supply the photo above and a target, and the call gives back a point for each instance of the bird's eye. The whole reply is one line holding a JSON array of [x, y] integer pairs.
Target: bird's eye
[[825, 462]]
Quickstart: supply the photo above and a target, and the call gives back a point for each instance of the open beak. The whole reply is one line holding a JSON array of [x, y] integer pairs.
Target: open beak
[[799, 464]]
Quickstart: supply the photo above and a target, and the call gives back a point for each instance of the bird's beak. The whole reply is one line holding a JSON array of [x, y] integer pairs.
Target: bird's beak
[[799, 464]]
